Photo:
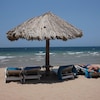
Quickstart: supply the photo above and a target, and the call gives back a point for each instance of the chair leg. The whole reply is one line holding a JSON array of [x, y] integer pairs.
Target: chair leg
[[23, 80]]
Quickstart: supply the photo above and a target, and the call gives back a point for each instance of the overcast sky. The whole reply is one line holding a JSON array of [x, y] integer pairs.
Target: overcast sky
[[83, 14]]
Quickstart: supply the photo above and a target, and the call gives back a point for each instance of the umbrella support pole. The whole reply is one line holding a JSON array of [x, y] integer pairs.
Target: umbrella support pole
[[47, 65]]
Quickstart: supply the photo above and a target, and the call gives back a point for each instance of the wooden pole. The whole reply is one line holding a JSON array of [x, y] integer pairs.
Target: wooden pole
[[47, 55]]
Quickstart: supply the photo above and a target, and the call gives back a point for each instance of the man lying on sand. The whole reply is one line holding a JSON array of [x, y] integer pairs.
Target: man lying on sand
[[91, 67], [89, 70]]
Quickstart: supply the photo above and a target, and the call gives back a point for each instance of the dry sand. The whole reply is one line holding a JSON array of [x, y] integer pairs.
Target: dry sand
[[80, 88]]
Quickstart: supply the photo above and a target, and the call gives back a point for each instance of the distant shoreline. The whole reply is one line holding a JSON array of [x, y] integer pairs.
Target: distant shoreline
[[54, 47]]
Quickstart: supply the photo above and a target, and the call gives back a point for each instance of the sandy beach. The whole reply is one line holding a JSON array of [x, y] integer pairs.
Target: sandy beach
[[80, 88]]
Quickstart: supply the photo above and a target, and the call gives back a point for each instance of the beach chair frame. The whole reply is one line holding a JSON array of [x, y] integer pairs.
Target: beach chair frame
[[30, 73], [66, 72], [13, 74]]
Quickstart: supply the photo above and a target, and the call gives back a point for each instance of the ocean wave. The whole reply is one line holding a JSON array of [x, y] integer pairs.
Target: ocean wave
[[94, 53], [81, 54], [4, 60], [41, 53], [6, 57], [74, 53], [89, 54], [37, 58]]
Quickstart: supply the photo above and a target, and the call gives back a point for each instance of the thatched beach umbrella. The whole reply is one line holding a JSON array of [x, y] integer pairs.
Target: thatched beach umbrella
[[45, 27]]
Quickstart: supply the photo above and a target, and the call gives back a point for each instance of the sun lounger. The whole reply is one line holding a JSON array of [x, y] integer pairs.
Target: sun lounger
[[66, 72], [80, 70], [13, 74], [31, 73]]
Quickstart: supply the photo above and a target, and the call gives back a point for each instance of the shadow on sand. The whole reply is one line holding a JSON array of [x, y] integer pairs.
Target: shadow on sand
[[46, 79]]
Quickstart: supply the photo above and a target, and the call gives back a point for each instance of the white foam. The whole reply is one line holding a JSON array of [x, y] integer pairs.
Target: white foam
[[4, 60], [94, 53], [79, 52], [40, 53], [75, 53], [71, 53], [37, 58], [6, 57]]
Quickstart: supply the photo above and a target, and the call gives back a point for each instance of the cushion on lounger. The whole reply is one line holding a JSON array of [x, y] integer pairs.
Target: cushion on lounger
[[31, 70], [11, 71]]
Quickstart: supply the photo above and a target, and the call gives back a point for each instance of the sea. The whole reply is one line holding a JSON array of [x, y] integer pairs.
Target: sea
[[35, 56]]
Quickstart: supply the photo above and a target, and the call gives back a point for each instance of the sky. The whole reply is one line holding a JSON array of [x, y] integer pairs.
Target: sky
[[83, 14]]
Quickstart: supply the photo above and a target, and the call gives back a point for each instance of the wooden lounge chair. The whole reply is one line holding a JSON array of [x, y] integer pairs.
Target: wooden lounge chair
[[31, 73], [66, 72], [13, 74]]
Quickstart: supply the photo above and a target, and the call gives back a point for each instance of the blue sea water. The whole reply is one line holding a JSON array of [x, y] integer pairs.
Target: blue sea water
[[29, 56]]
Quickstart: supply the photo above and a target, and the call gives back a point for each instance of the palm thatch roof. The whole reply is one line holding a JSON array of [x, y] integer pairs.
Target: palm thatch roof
[[46, 26]]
